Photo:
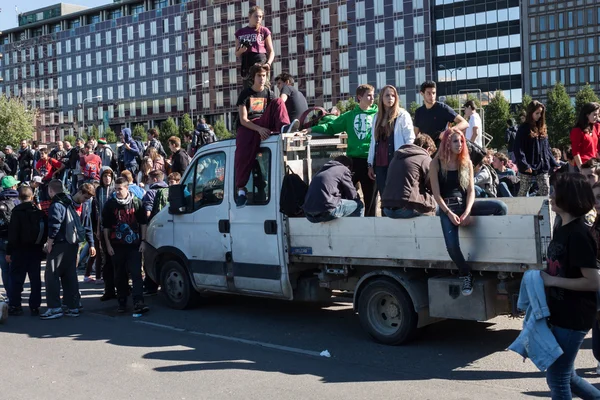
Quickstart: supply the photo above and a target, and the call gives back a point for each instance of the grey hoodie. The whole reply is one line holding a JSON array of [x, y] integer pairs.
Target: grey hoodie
[[103, 193], [327, 189]]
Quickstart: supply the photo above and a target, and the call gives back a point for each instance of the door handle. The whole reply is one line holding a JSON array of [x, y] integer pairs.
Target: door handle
[[224, 226], [271, 227]]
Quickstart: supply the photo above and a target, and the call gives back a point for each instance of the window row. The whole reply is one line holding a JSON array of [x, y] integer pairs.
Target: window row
[[568, 76], [473, 46], [482, 18], [564, 20], [480, 71], [564, 48]]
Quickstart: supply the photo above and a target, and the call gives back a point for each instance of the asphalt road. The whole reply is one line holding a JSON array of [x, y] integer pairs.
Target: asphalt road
[[245, 348]]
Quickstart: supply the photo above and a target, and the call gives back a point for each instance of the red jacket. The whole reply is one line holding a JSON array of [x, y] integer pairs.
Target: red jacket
[[585, 144]]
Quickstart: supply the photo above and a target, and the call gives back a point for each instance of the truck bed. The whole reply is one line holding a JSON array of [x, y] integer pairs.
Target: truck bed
[[511, 243]]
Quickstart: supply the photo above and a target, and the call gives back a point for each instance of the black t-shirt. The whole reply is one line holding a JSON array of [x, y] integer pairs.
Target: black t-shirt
[[572, 248], [296, 102], [256, 102], [433, 121]]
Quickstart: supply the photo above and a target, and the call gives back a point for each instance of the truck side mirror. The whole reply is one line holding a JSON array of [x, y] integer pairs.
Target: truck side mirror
[[177, 203]]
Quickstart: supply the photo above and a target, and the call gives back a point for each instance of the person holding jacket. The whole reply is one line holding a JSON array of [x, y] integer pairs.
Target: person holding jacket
[[572, 281], [358, 124], [331, 193], [584, 136], [392, 128], [532, 151], [130, 152]]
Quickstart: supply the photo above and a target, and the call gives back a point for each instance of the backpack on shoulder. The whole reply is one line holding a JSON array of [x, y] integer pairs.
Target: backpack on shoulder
[[293, 192], [160, 201], [38, 228], [6, 208]]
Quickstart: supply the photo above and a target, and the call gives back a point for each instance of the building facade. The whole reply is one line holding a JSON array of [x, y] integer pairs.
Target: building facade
[[142, 61], [562, 45], [477, 46]]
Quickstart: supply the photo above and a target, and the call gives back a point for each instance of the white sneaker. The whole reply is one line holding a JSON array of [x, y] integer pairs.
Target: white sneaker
[[3, 312], [52, 313]]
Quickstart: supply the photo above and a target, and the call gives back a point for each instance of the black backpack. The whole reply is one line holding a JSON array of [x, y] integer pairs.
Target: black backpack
[[293, 192], [37, 231], [6, 207]]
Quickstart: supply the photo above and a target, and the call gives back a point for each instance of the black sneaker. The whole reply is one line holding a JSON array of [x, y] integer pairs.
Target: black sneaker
[[122, 307], [15, 311], [241, 201], [140, 308], [108, 296], [467, 285]]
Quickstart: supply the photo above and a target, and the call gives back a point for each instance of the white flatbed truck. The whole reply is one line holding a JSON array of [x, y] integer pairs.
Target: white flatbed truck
[[398, 271]]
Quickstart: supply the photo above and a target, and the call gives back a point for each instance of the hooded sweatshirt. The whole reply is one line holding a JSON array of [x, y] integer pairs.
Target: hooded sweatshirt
[[148, 200], [408, 170], [20, 222], [357, 124], [328, 187], [103, 193], [8, 194], [129, 155]]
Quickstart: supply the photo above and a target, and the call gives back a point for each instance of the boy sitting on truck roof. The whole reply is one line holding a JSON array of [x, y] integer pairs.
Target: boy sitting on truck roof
[[332, 194]]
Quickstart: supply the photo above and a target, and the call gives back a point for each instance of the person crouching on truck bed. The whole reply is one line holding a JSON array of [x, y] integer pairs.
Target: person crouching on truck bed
[[407, 195], [261, 114], [452, 184], [572, 281], [332, 194]]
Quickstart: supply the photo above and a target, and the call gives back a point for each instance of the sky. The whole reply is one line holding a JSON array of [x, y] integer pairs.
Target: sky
[[8, 16]]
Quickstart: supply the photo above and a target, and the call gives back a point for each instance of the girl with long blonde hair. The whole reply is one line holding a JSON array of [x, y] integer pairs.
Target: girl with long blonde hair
[[392, 129], [452, 184], [158, 162]]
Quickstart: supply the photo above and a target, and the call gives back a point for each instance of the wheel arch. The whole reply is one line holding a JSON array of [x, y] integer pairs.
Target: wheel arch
[[170, 253]]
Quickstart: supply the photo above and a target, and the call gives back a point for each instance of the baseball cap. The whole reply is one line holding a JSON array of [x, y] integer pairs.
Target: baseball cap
[[9, 147], [37, 179], [8, 182]]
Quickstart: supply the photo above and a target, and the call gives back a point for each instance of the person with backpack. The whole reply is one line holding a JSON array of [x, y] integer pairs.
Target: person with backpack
[[9, 198], [130, 151], [509, 137], [124, 220], [142, 148], [65, 233], [106, 154], [27, 234], [91, 165], [154, 143]]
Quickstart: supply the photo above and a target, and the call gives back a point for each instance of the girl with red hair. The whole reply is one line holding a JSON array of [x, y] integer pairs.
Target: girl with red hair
[[452, 184]]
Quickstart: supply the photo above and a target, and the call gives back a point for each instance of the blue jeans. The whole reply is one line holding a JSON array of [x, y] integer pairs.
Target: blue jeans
[[401, 213], [5, 267], [480, 192], [346, 208], [380, 178], [503, 190], [483, 207], [561, 377]]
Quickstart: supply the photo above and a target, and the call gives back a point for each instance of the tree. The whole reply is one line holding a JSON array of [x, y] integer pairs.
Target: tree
[[496, 114], [167, 129], [93, 132], [16, 121], [111, 136], [187, 125], [585, 95], [221, 130], [522, 109], [140, 131], [412, 109], [559, 115], [347, 105], [70, 138], [452, 102]]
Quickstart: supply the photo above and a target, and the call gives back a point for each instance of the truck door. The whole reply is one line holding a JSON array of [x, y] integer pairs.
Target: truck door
[[202, 233], [256, 229]]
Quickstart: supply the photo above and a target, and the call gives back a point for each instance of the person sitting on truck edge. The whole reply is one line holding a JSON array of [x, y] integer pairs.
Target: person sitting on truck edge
[[452, 184], [407, 195], [433, 117], [358, 124], [260, 115], [392, 128], [295, 102], [331, 193]]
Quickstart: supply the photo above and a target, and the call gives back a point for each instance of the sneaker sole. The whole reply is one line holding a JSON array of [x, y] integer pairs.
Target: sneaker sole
[[53, 316]]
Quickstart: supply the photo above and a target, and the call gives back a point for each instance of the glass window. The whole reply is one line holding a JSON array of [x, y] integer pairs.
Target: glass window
[[543, 51], [571, 47], [259, 193], [553, 77], [544, 80], [552, 50], [580, 20], [592, 77], [561, 48], [543, 23], [361, 34], [582, 75], [590, 17], [590, 45], [419, 25], [561, 20], [533, 52], [551, 22], [572, 79], [581, 46], [570, 19], [399, 28]]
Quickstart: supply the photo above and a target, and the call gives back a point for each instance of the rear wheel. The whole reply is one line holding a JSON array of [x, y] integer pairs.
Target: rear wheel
[[177, 286], [387, 313]]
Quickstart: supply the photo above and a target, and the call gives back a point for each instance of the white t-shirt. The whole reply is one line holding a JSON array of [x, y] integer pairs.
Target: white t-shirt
[[475, 120]]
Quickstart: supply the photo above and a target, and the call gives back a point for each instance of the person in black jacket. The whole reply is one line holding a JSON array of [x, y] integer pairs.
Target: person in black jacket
[[11, 160], [27, 231], [331, 193], [180, 159], [532, 151], [26, 161]]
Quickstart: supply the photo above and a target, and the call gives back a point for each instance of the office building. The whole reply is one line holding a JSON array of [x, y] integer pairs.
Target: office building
[[562, 44], [477, 46], [141, 61]]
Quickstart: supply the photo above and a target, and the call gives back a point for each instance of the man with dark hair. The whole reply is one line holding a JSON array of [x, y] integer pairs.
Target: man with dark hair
[[433, 117], [358, 124], [475, 130], [156, 183], [153, 142], [179, 158], [294, 100], [509, 136], [124, 221], [332, 194], [26, 162], [406, 193], [11, 160]]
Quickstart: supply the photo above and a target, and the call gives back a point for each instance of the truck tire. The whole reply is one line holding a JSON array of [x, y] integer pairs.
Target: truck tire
[[387, 313], [177, 287]]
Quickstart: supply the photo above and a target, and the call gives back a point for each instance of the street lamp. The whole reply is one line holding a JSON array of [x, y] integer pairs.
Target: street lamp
[[452, 71], [89, 99], [203, 84]]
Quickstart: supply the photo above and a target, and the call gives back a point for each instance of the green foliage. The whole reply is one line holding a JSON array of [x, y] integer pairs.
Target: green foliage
[[346, 105], [139, 131], [70, 138], [453, 102], [93, 133], [522, 108], [472, 97], [221, 130], [186, 125], [585, 95], [110, 135], [496, 114], [412, 109], [167, 129], [559, 115], [16, 121]]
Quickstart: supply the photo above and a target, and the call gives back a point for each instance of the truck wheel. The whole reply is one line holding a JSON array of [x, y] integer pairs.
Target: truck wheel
[[387, 313], [177, 287]]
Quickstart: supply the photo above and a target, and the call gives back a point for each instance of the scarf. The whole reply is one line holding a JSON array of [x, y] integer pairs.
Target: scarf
[[125, 201]]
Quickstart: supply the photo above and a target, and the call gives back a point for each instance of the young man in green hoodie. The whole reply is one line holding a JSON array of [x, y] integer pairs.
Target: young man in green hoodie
[[357, 124]]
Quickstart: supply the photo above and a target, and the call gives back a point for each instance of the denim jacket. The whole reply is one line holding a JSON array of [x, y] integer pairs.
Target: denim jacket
[[536, 341]]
